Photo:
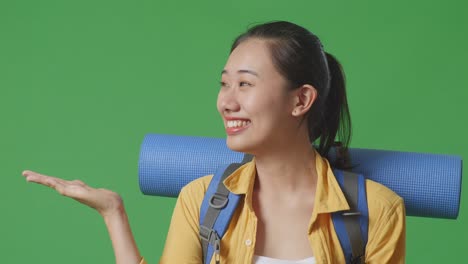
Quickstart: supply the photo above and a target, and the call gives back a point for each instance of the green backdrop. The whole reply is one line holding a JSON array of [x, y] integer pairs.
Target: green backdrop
[[81, 83]]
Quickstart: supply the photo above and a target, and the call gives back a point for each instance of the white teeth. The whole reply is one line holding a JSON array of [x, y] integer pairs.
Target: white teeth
[[237, 123]]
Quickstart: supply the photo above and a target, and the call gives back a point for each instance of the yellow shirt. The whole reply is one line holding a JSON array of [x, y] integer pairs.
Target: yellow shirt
[[386, 243]]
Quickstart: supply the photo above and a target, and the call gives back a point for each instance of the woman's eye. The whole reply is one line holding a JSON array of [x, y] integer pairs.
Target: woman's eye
[[224, 84]]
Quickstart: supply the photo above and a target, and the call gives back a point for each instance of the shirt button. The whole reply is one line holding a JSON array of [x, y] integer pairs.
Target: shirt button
[[248, 242]]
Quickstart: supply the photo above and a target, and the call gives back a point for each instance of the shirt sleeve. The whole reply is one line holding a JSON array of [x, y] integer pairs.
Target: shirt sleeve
[[183, 243], [388, 235]]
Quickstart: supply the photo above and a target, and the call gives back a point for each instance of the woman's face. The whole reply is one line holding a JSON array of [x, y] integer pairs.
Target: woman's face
[[254, 101]]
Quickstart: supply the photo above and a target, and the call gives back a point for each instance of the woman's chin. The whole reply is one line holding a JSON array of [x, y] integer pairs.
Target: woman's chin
[[238, 144]]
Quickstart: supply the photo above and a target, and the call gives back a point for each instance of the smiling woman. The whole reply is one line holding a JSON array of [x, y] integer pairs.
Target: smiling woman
[[285, 62], [280, 93]]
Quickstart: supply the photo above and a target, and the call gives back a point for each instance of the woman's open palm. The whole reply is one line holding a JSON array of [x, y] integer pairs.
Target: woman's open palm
[[104, 201]]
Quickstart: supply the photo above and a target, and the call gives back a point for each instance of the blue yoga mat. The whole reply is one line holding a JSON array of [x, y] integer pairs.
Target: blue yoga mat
[[430, 184]]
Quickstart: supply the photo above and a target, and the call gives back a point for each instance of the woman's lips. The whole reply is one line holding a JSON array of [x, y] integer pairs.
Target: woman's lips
[[236, 130], [236, 126]]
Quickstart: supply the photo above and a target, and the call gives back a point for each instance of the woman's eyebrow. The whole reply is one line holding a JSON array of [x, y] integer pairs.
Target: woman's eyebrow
[[242, 71]]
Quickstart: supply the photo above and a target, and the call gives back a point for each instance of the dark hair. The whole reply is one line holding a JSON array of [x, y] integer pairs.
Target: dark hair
[[299, 56]]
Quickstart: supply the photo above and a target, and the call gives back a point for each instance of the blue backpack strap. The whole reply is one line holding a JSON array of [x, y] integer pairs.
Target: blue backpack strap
[[352, 225], [216, 211]]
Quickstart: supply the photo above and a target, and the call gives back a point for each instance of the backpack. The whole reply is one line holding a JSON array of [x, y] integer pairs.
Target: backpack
[[219, 205]]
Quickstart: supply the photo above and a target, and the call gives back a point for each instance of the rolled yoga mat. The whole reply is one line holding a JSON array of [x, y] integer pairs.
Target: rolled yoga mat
[[430, 184]]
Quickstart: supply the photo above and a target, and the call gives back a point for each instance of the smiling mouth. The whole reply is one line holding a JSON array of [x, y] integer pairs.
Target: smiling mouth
[[236, 126], [237, 123]]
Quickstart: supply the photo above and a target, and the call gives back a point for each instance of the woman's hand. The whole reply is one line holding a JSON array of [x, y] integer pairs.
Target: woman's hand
[[104, 201], [109, 204]]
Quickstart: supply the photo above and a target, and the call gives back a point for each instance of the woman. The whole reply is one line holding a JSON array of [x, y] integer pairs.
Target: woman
[[280, 92]]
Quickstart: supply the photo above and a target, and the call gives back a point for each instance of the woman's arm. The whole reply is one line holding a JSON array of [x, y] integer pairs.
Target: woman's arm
[[387, 227], [125, 248], [109, 204], [182, 241]]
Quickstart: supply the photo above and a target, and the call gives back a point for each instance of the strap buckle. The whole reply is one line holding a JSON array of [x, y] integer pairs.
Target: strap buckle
[[222, 201], [351, 213], [211, 237], [217, 248]]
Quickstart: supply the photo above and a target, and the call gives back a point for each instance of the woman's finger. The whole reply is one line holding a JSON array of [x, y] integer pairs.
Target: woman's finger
[[41, 179], [78, 182], [34, 176], [75, 188]]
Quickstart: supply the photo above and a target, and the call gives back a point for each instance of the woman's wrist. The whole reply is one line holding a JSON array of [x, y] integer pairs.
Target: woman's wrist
[[113, 208], [115, 213]]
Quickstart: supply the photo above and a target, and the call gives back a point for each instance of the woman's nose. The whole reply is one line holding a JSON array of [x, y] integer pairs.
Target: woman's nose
[[228, 102]]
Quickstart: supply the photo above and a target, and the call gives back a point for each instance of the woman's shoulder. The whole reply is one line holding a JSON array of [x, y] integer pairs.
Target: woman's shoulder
[[387, 225], [196, 189], [381, 199], [190, 199]]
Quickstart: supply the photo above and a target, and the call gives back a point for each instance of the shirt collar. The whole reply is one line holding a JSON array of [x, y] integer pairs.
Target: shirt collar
[[328, 197]]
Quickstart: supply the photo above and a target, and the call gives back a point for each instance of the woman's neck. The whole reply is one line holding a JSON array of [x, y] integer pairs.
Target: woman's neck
[[290, 169]]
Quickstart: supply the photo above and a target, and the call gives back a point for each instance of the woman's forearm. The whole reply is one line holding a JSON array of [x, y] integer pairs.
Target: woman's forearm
[[125, 248]]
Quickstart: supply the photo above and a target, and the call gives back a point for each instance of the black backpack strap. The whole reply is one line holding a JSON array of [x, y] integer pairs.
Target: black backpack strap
[[210, 232], [247, 158], [351, 218], [351, 225]]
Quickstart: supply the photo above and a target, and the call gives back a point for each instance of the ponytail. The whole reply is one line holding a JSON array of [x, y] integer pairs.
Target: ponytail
[[336, 119]]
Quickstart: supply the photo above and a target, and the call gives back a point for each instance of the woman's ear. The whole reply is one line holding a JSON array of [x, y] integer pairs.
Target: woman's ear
[[304, 97]]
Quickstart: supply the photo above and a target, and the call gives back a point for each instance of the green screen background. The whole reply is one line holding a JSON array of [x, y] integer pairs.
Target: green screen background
[[82, 82]]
